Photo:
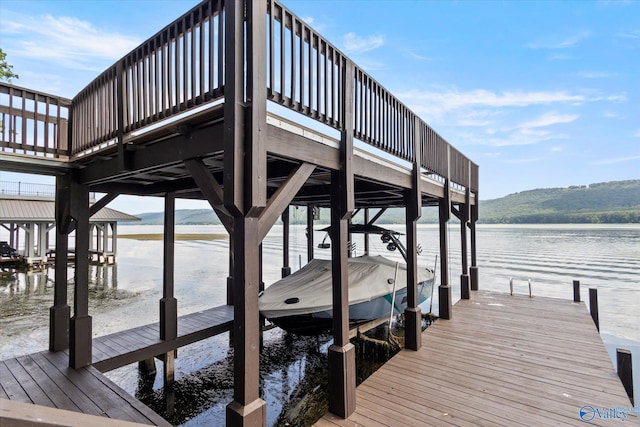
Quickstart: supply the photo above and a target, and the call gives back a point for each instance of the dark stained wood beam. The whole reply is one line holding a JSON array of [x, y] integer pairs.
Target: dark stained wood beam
[[168, 303], [310, 243], [286, 269], [80, 326], [280, 141], [234, 110], [60, 312], [104, 201], [283, 197], [341, 354], [170, 151], [245, 196], [413, 211], [444, 290], [211, 190]]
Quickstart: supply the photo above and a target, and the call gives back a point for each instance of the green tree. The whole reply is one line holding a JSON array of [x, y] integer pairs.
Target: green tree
[[6, 70]]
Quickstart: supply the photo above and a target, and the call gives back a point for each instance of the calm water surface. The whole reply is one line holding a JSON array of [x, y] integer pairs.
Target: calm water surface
[[293, 369]]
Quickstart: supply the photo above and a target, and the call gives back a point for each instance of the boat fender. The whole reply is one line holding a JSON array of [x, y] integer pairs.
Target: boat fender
[[292, 300]]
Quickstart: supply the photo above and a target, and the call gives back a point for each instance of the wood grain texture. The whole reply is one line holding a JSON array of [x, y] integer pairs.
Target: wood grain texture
[[502, 361]]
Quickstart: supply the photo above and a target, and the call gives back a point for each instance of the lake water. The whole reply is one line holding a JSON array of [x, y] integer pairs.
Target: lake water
[[294, 368]]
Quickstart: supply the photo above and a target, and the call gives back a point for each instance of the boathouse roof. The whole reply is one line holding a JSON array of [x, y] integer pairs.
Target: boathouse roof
[[25, 209]]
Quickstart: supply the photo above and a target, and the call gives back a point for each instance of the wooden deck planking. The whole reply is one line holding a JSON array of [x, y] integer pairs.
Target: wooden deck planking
[[502, 360], [143, 342], [46, 380]]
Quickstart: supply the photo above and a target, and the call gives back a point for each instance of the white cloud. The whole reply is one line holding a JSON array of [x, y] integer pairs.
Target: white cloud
[[616, 160], [560, 57], [548, 119], [610, 115], [499, 119], [453, 99], [66, 41], [518, 161], [557, 149], [633, 34], [355, 44], [560, 43], [597, 74]]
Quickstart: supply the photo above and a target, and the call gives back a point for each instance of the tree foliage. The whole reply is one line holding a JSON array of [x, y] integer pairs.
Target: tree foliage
[[601, 203], [6, 70]]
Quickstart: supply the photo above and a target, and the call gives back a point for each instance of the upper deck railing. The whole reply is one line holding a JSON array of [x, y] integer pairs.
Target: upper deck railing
[[182, 67], [33, 123]]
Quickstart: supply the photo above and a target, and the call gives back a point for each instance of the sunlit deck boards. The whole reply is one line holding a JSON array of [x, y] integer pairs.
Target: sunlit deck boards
[[46, 380], [502, 360], [133, 345]]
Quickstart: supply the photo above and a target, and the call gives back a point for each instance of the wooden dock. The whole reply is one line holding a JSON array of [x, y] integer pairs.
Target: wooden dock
[[45, 379], [133, 345], [502, 360]]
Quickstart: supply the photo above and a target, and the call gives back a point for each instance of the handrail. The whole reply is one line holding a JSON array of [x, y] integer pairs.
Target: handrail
[[33, 123], [304, 70], [304, 74], [10, 188], [182, 67], [177, 69]]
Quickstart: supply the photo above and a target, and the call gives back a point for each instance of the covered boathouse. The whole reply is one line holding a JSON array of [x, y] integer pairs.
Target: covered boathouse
[[242, 104], [27, 214]]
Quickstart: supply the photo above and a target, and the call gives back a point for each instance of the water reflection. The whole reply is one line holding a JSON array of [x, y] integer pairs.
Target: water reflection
[[27, 294], [294, 368], [293, 381]]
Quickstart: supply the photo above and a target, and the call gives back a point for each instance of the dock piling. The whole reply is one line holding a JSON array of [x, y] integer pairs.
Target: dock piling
[[593, 306], [625, 371], [464, 287], [511, 286], [576, 291], [529, 288]]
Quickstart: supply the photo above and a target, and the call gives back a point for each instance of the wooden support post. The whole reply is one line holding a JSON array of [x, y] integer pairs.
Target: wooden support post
[[60, 312], [114, 240], [464, 276], [366, 235], [247, 408], [230, 276], [474, 278], [341, 353], [245, 189], [286, 269], [168, 303], [413, 211], [310, 242], [444, 290], [464, 287], [80, 327], [625, 371], [593, 307], [42, 241], [576, 291], [147, 366], [169, 372], [413, 316], [473, 270], [342, 363]]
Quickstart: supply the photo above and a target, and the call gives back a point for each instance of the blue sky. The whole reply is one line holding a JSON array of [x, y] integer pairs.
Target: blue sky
[[539, 94]]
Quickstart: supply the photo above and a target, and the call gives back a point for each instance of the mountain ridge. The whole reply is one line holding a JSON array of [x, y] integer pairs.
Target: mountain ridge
[[598, 203]]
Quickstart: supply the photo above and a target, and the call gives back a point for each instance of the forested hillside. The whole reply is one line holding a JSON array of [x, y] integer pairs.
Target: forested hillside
[[601, 203]]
